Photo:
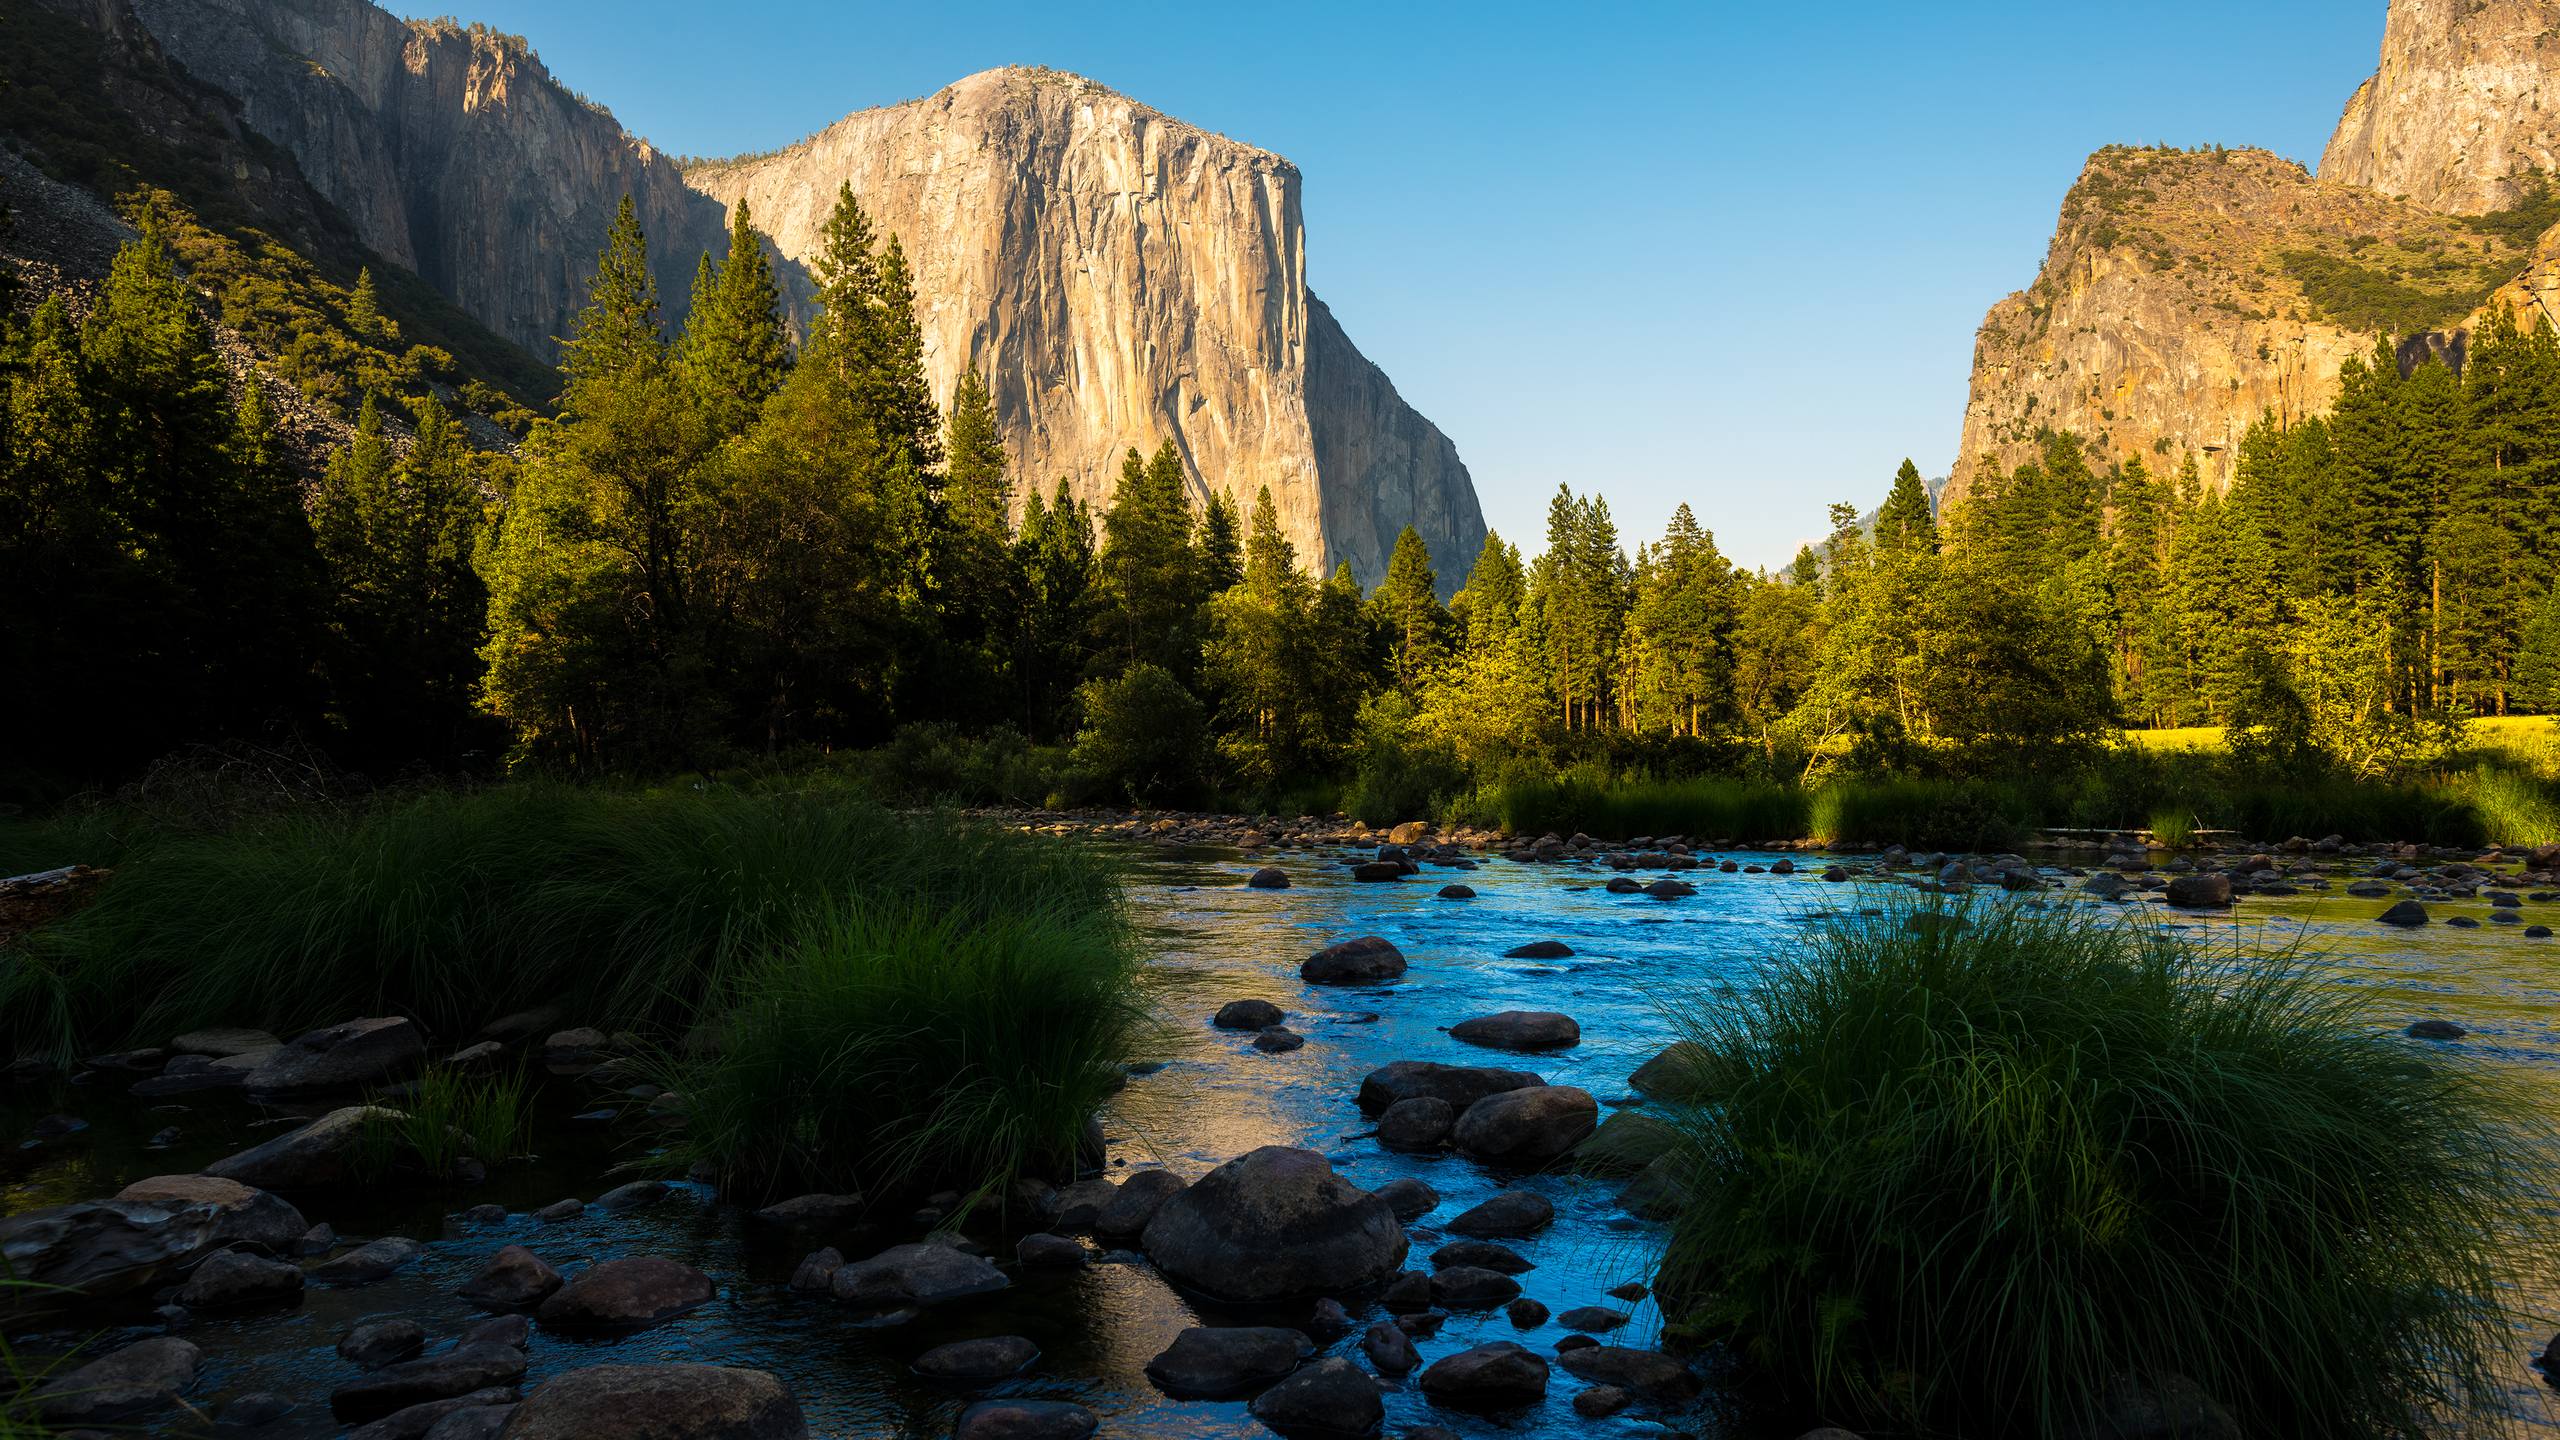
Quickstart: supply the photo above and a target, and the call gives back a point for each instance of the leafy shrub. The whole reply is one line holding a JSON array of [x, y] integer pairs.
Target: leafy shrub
[[1145, 738], [1960, 1170], [1399, 773]]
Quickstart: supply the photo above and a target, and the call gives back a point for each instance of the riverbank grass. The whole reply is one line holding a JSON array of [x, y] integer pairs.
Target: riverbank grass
[[1965, 1178]]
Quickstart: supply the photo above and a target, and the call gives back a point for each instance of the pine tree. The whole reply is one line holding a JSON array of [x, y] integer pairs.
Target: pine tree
[[1907, 519], [364, 316], [1680, 628], [618, 333], [975, 489], [1058, 613], [1408, 614], [734, 352], [1151, 568], [1490, 604], [1221, 547]]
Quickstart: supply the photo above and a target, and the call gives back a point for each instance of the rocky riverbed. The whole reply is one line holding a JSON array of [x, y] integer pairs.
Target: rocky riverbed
[[1335, 1200]]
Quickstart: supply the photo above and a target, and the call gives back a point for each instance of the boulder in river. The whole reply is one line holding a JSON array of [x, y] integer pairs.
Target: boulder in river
[[442, 1376], [1418, 1125], [1247, 1015], [322, 1153], [1215, 1361], [100, 1249], [2435, 1030], [994, 1357], [1649, 1374], [135, 1382], [2408, 915], [1481, 1255], [919, 1274], [2202, 890], [1457, 892], [1683, 1072], [1389, 1348], [1466, 1287], [660, 1402], [1269, 877], [1539, 950], [1407, 1198], [631, 1293], [367, 1263], [1367, 960], [1274, 1224], [346, 1056], [513, 1279], [243, 1214], [1135, 1203], [1459, 1085], [377, 1343], [1497, 1374], [1506, 1215], [220, 1042], [235, 1279], [1026, 1420], [811, 1212], [1330, 1397], [1519, 1030], [1527, 1128]]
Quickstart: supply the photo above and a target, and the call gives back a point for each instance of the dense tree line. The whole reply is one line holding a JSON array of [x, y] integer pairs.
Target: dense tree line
[[730, 543]]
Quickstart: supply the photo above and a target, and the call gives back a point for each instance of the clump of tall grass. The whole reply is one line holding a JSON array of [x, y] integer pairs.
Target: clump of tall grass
[[442, 1117], [1959, 1179], [2173, 829], [2513, 807], [629, 906], [900, 1047], [1589, 798], [1941, 814]]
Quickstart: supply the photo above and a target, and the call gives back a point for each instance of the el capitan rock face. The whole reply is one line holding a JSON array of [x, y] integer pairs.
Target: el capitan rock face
[[2459, 114], [1121, 278]]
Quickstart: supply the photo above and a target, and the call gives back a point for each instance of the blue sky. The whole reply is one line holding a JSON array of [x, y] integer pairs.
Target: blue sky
[[1722, 254]]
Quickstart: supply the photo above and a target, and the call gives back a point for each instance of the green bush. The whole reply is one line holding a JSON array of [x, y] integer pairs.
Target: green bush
[[1145, 738], [1935, 814], [1956, 1178]]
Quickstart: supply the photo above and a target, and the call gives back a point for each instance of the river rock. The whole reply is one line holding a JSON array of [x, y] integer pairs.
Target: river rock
[[1482, 1255], [2435, 1030], [1269, 877], [1389, 1348], [1367, 960], [444, 1376], [2408, 915], [346, 1056], [812, 1212], [1682, 1073], [1417, 1125], [470, 1421], [1215, 1361], [372, 1261], [1539, 950], [417, 1422], [1459, 1085], [221, 1042], [1598, 1319], [627, 1294], [1135, 1203], [1670, 889], [377, 1343], [1274, 1224], [139, 1380], [1508, 1214], [918, 1274], [513, 1279], [2176, 1408], [253, 1410], [1247, 1015], [197, 1074], [1649, 1374], [1330, 1396], [1626, 1142], [1600, 1401], [995, 1357], [1078, 1206], [636, 1195], [322, 1153], [1500, 1373], [1049, 1250], [1519, 1030], [1465, 1287], [660, 1402], [243, 1214], [234, 1279], [1457, 892], [1407, 1198], [1278, 1040], [2203, 890], [1525, 1313], [1527, 1128], [1025, 1420], [100, 1249]]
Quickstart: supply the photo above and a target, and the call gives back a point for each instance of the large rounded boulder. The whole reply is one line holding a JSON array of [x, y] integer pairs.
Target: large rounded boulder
[[1527, 1128], [1369, 960], [1459, 1085], [659, 1402], [1275, 1224]]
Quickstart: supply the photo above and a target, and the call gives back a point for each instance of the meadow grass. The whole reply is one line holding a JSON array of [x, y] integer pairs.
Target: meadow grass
[[1955, 1179], [898, 1049]]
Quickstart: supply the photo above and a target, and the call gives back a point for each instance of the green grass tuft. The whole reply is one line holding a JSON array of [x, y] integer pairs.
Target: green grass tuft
[[442, 1117], [1956, 1179]]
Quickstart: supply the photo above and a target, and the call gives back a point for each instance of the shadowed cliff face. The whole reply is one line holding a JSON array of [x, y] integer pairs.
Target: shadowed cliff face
[[2457, 115], [1121, 278]]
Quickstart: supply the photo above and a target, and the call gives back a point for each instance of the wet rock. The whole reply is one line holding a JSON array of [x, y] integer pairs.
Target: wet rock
[[1626, 1142], [1659, 1190], [1598, 1319], [518, 1027], [913, 1275], [1600, 1401], [1482, 1255], [1575, 1342], [1509, 1214], [1520, 1030], [471, 1422], [1049, 1250], [1407, 1198], [1525, 1313], [1464, 1287], [1327, 1320], [812, 1212], [377, 1343], [373, 1261], [1623, 885], [452, 1374], [243, 1214], [2435, 1030], [1669, 889], [347, 1056], [235, 1279], [416, 1422], [1648, 1374], [1274, 1224], [492, 1214], [1025, 1420], [318, 1240], [1418, 1125], [626, 1294], [1527, 1128], [1457, 892], [513, 1330], [2408, 915], [662, 1402], [1683, 1072], [481, 1056], [255, 1410], [1367, 960], [140, 1380], [1278, 1040], [2203, 890], [1135, 1203], [222, 1042], [1495, 1374], [1459, 1085], [638, 1195], [2176, 1408], [559, 1210], [101, 1249], [322, 1153], [1630, 1291], [1409, 1293], [513, 1279], [1379, 871], [1215, 1361], [1269, 877], [1389, 1348], [995, 1357], [1078, 1206], [578, 1045], [1539, 950], [1247, 1015], [1331, 1396]]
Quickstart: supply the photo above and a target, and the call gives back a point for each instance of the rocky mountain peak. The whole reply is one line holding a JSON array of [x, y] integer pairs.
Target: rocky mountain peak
[[2457, 117]]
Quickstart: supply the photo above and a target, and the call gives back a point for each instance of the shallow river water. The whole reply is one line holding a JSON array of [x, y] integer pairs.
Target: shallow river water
[[1214, 1098]]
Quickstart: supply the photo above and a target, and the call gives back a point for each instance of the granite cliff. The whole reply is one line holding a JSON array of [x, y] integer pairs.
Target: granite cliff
[[1120, 277], [2187, 293]]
